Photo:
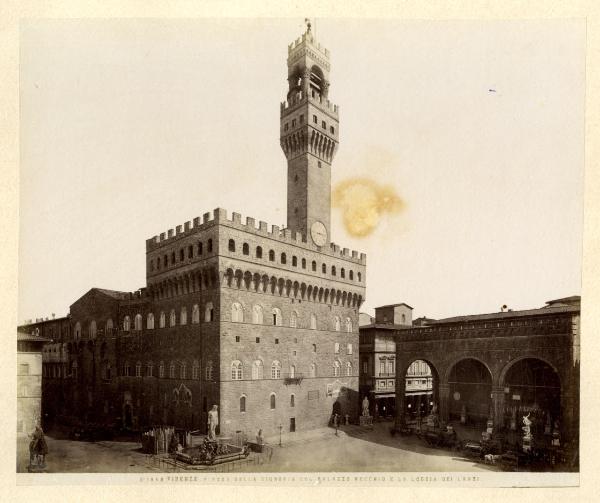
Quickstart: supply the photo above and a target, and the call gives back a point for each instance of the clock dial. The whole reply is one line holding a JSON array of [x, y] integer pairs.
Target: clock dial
[[318, 233]]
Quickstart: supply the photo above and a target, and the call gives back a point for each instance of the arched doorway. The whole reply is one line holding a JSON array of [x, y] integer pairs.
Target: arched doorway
[[470, 388], [421, 390], [531, 386]]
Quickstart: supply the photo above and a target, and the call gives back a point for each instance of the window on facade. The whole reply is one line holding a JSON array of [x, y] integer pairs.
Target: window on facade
[[199, 247], [126, 369], [332, 130], [286, 126], [92, 333], [342, 273], [336, 348], [152, 265], [351, 275], [195, 314], [323, 124], [209, 371], [314, 348], [336, 323], [258, 252], [276, 370], [348, 325], [149, 369], [209, 246], [348, 369], [276, 316], [209, 312], [333, 271], [183, 371], [365, 367], [314, 265], [172, 370], [293, 319], [294, 261], [312, 370], [231, 246], [195, 370], [315, 120], [359, 276], [172, 318], [272, 401], [313, 321], [246, 249], [126, 323], [138, 321], [150, 321], [109, 326], [183, 316], [292, 371], [161, 370], [172, 258], [382, 367], [336, 369], [165, 261], [324, 269], [283, 258], [404, 319], [271, 255], [236, 370], [157, 264], [349, 348], [237, 313], [190, 251], [162, 320], [138, 369], [303, 263], [257, 369], [242, 403], [292, 400], [181, 255], [301, 118]]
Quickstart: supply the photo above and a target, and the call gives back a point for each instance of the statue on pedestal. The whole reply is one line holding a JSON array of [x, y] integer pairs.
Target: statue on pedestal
[[213, 421], [365, 406], [527, 436]]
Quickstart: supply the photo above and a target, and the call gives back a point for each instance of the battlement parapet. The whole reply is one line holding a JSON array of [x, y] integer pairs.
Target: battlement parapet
[[219, 217], [307, 39], [298, 99]]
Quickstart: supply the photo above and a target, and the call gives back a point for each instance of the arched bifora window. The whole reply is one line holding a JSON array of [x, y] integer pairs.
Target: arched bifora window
[[243, 403], [314, 265], [183, 316], [257, 314], [246, 249], [92, 333], [272, 401], [237, 313], [271, 255], [138, 321], [150, 321], [294, 319], [172, 370], [276, 316], [336, 323], [348, 325], [162, 320], [283, 258], [126, 323], [172, 318], [336, 369], [209, 312], [313, 321], [348, 369], [276, 370], [236, 370], [109, 326], [257, 369], [196, 314]]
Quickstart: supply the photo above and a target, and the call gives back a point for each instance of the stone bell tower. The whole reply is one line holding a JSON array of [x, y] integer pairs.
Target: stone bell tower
[[309, 132]]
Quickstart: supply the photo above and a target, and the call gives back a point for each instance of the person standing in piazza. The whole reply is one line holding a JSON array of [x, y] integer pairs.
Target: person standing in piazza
[[213, 421], [38, 447]]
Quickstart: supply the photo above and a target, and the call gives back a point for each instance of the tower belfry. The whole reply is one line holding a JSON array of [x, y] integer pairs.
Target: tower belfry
[[309, 132]]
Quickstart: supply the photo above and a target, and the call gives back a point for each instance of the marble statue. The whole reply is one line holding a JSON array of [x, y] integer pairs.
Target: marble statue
[[365, 407], [213, 421]]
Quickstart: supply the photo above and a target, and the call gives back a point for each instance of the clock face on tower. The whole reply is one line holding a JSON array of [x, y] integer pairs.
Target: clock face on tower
[[318, 233]]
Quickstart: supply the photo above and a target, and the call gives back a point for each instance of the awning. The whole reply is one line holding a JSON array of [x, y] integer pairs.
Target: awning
[[386, 395]]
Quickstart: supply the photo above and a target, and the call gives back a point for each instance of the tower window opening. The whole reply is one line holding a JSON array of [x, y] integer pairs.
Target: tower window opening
[[165, 261], [293, 122], [314, 266], [332, 130], [319, 163], [294, 261], [333, 272], [303, 263], [271, 255], [209, 246], [190, 251], [246, 249], [342, 273], [302, 119], [200, 248], [231, 245], [172, 258], [323, 124], [258, 252], [315, 119], [283, 258], [285, 127], [181, 255], [324, 269]]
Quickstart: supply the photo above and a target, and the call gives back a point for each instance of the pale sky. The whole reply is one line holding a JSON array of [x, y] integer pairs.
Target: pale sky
[[129, 128]]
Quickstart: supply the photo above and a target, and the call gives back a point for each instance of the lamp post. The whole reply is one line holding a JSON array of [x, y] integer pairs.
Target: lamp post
[[280, 428]]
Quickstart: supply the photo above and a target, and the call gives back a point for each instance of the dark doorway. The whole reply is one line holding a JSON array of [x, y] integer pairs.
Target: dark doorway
[[292, 424]]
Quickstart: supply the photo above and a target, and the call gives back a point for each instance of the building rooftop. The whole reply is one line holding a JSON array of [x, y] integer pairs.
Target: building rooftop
[[395, 305], [509, 314], [22, 336]]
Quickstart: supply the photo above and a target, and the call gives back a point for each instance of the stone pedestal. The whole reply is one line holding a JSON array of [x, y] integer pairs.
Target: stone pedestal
[[366, 420]]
